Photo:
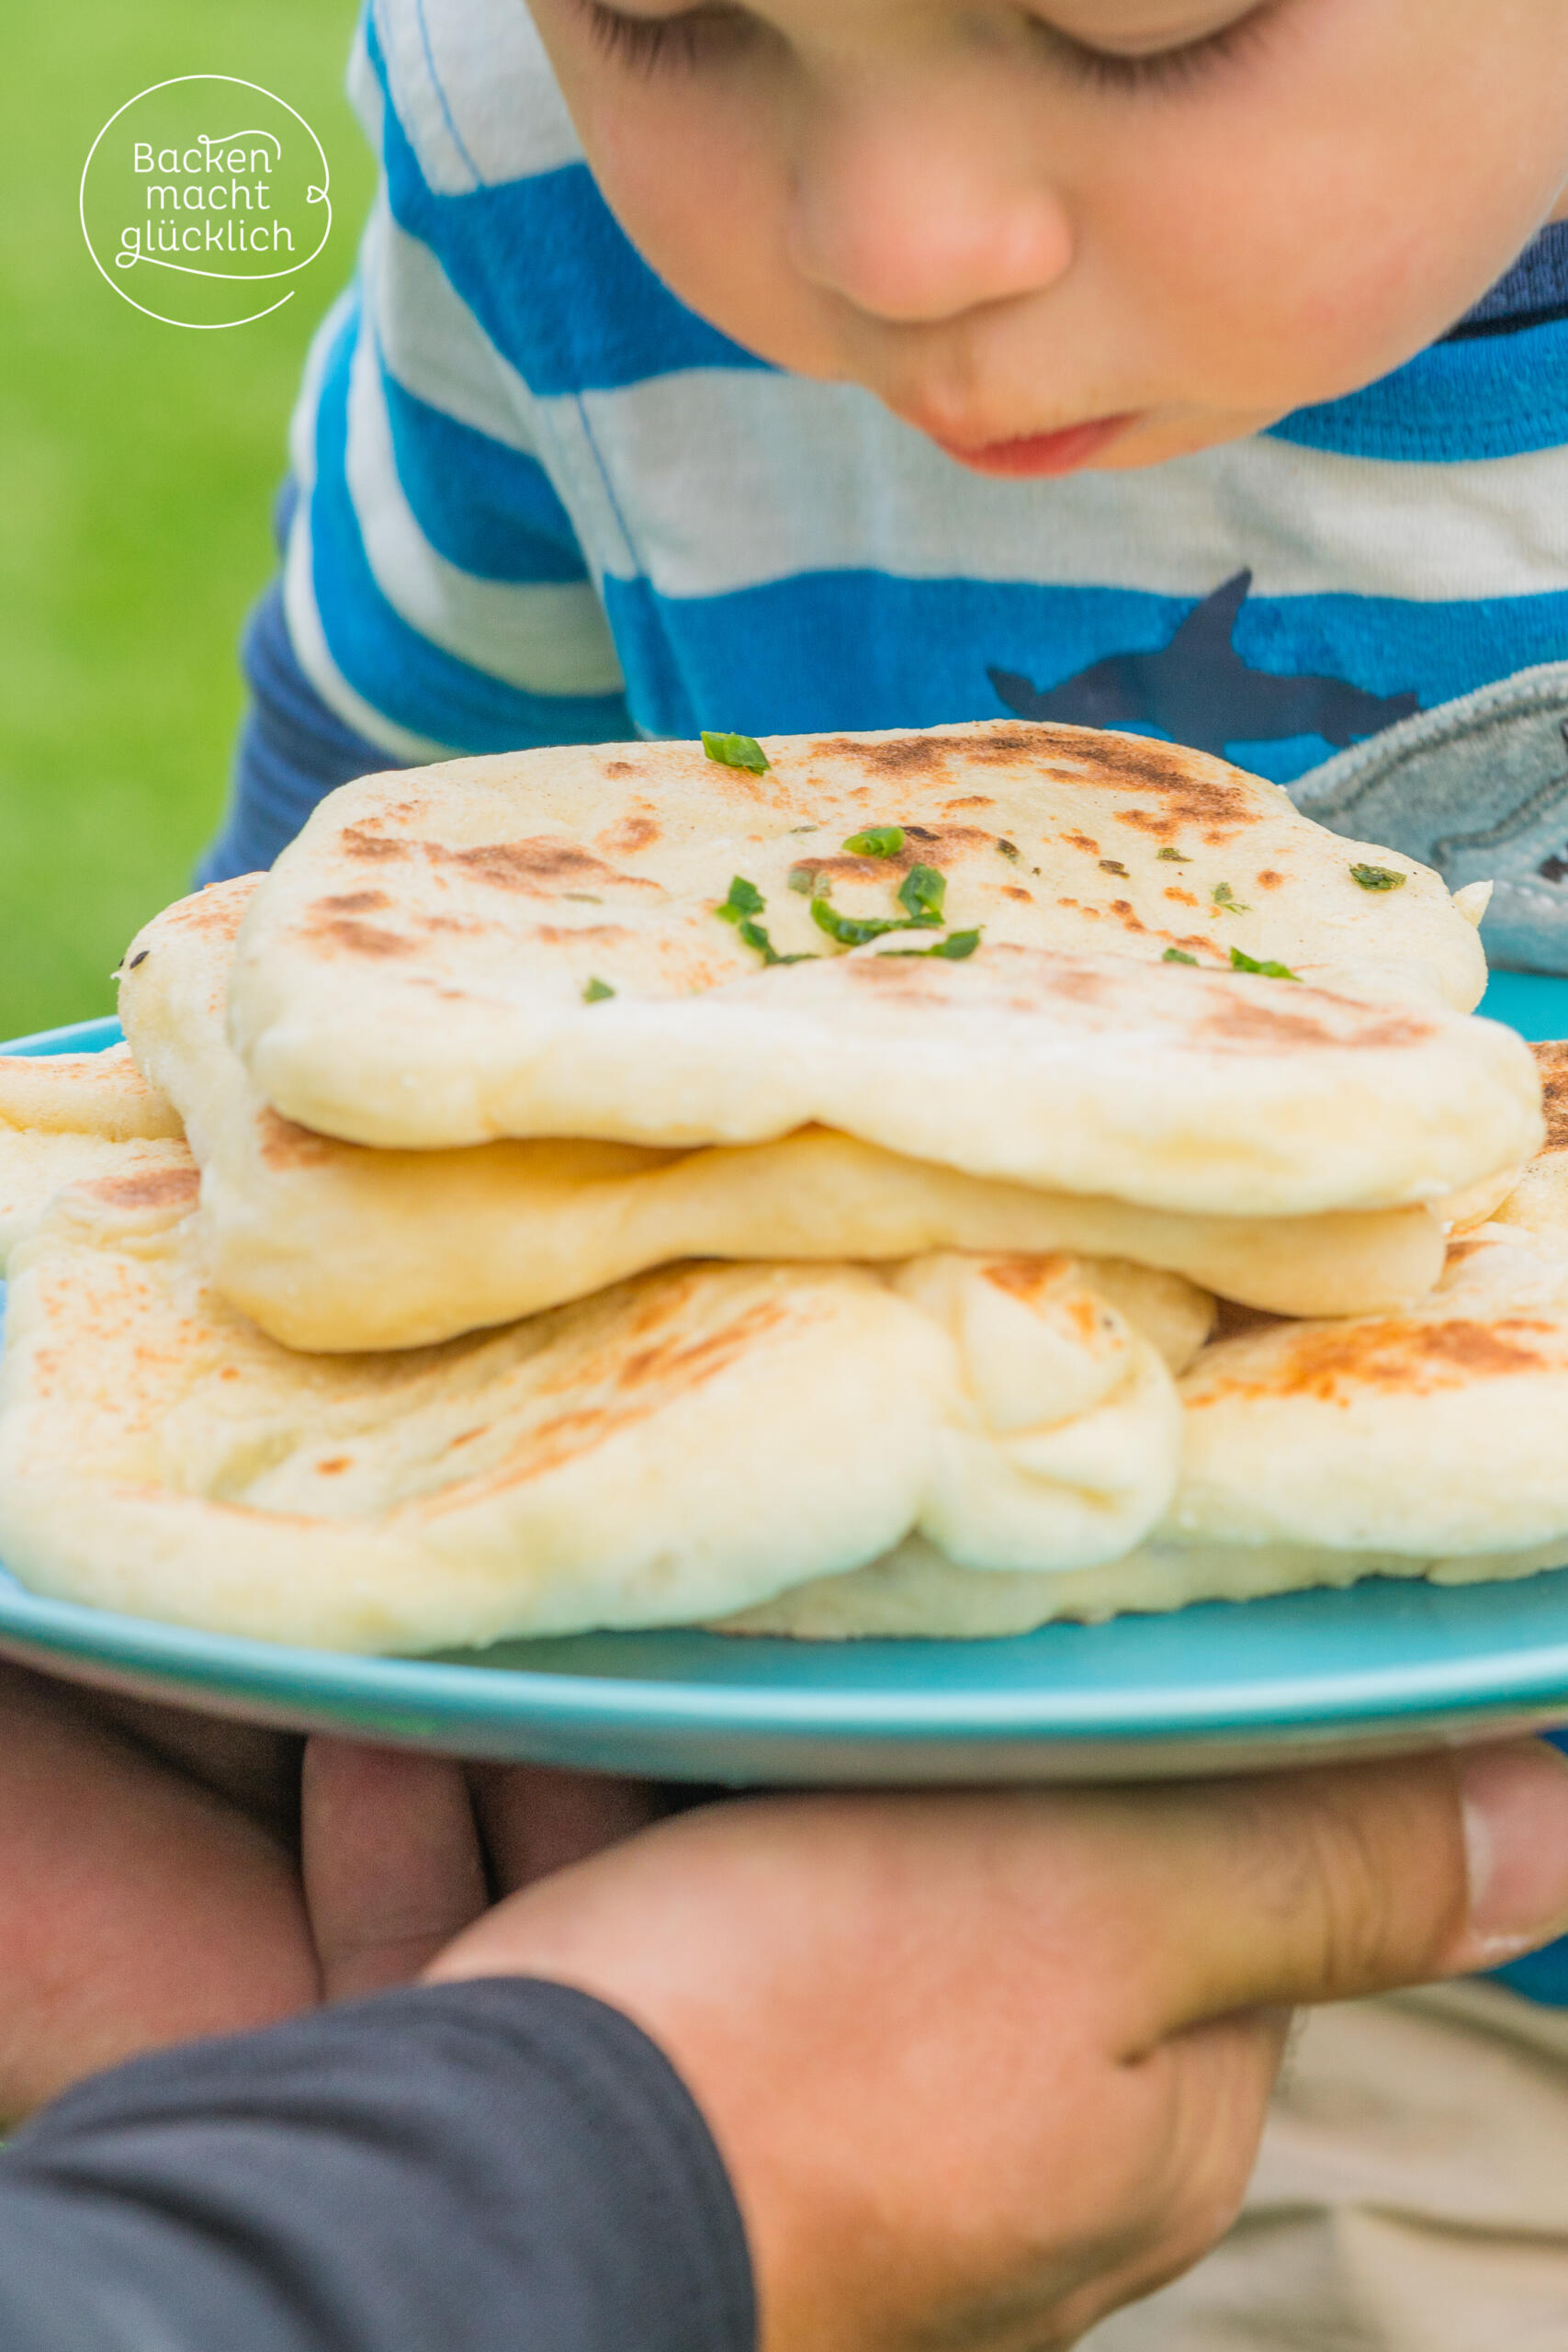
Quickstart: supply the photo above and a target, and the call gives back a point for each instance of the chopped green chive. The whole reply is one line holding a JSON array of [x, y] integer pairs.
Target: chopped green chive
[[736, 751], [1008, 849], [953, 948], [802, 878], [1270, 971], [877, 840], [1173, 857], [755, 936], [1226, 901], [1378, 878], [596, 991], [922, 891], [850, 931], [1177, 956], [744, 898]]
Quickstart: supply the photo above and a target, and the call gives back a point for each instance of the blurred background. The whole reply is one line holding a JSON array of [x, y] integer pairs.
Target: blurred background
[[138, 463]]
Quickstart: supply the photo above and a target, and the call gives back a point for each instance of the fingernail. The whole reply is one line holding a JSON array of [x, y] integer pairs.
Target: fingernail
[[1515, 1836]]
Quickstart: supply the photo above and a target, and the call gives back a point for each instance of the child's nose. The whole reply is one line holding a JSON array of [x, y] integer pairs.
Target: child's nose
[[915, 216]]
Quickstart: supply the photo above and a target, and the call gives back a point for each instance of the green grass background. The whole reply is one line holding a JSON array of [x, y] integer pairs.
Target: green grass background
[[137, 467]]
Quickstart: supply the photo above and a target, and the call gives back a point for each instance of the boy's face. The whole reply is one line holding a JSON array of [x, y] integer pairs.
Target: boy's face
[[1062, 232]]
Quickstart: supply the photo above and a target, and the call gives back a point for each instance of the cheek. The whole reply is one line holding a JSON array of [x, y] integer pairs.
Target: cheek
[[1306, 246], [703, 196]]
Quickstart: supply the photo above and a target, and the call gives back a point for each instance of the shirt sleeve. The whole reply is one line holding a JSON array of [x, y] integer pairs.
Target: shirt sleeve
[[482, 2167]]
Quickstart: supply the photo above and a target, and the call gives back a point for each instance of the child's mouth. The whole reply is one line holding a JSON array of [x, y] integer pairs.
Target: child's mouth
[[1043, 453]]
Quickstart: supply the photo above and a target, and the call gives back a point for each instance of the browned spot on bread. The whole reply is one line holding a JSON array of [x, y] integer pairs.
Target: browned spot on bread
[[1016, 890], [363, 938], [1551, 1060], [334, 1463], [1085, 841], [900, 756], [282, 1143], [1156, 821], [538, 864], [1079, 982], [149, 1188], [615, 767], [1268, 879], [845, 868], [356, 902], [1220, 801], [635, 1381], [969, 800], [1183, 897], [1123, 909], [1252, 1021], [358, 840], [558, 935], [1014, 746], [1023, 1277], [1333, 1362], [638, 828]]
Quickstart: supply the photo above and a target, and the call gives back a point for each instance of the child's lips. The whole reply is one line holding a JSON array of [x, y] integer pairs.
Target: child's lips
[[1042, 453]]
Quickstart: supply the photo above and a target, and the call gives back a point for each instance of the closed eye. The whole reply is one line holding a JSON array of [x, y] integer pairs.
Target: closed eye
[[648, 44], [1106, 68]]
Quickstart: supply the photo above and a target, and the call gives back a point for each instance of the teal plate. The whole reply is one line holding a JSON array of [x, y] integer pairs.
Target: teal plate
[[1223, 1686]]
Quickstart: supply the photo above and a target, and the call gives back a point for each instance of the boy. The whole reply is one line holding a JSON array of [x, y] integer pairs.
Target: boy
[[1165, 364], [1153, 362]]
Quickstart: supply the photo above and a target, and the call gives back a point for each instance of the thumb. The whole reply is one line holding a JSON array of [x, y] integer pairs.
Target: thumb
[[1325, 1886]]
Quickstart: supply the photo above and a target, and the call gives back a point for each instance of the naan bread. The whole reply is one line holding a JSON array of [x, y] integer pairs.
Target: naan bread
[[677, 1447], [425, 965], [1441, 1430], [92, 1094], [332, 1246], [65, 1116], [1430, 1445], [1539, 1199]]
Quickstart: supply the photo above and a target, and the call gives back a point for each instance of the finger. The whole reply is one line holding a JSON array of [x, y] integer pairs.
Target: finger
[[1328, 1885], [390, 1860], [136, 1909], [255, 1769], [540, 1817]]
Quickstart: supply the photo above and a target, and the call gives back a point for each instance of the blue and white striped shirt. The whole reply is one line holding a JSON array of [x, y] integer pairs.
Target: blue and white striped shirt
[[544, 502]]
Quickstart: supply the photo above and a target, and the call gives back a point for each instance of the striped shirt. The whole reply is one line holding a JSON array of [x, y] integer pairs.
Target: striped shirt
[[544, 502]]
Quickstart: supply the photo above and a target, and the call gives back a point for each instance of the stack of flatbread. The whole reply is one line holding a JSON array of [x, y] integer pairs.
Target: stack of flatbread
[[889, 1183]]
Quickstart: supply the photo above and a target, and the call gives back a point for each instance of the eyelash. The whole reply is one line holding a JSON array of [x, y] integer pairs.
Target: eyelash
[[1167, 68], [648, 44], [651, 44]]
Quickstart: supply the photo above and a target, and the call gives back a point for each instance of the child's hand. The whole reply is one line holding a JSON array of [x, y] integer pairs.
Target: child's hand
[[985, 2065]]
